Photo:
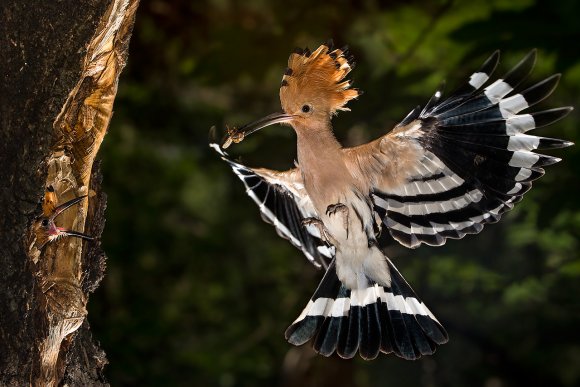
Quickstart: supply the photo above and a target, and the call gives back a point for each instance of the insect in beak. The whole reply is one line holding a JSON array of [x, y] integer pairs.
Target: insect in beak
[[236, 135]]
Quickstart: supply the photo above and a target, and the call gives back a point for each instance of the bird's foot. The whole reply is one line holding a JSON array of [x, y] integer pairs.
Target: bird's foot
[[324, 233], [339, 207]]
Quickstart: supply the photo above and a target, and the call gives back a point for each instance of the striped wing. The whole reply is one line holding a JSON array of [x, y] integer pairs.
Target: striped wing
[[284, 203], [472, 159]]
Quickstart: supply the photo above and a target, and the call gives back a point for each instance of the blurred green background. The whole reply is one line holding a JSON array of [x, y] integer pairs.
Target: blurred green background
[[199, 290]]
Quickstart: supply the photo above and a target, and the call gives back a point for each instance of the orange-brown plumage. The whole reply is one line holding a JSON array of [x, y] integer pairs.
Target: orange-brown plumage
[[49, 201], [317, 78]]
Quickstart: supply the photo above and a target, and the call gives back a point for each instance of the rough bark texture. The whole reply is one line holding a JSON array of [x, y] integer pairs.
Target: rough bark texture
[[59, 63]]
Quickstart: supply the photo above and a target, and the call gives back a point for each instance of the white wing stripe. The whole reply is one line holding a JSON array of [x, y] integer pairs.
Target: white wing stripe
[[327, 251], [523, 159], [423, 208], [523, 142], [520, 124], [478, 79], [512, 105], [436, 228], [515, 190], [497, 90], [523, 174], [442, 184]]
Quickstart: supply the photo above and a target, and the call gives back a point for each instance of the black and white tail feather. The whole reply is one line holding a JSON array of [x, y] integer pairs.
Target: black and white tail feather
[[477, 160], [370, 320]]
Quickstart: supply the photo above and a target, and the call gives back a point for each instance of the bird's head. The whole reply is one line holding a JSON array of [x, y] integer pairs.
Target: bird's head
[[45, 227], [313, 89], [314, 86]]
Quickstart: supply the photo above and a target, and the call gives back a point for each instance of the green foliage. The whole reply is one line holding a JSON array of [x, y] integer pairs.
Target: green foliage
[[199, 290]]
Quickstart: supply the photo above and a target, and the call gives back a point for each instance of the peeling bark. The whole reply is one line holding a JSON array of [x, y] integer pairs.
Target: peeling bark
[[60, 72]]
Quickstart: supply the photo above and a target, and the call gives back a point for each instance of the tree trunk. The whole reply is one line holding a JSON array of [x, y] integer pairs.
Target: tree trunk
[[59, 62]]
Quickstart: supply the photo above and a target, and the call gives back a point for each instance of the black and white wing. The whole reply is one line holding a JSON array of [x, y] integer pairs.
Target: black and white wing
[[464, 161], [284, 203]]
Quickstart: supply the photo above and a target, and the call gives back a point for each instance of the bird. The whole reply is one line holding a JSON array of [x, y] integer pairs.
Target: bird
[[45, 228], [444, 171]]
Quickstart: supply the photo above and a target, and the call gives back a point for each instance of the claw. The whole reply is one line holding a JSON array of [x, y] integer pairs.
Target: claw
[[324, 233], [333, 208], [339, 207]]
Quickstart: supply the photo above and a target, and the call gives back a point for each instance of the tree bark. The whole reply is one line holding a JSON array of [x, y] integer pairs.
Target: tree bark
[[60, 62]]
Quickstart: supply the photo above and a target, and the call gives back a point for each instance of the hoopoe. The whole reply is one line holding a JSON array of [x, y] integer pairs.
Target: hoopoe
[[443, 172], [45, 228]]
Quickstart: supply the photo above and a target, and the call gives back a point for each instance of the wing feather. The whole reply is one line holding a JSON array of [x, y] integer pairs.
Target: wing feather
[[460, 163], [284, 203]]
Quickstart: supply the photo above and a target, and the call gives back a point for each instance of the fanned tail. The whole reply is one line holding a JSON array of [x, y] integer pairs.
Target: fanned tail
[[370, 320]]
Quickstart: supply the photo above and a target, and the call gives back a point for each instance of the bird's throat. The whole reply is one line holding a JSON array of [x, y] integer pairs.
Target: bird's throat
[[321, 162]]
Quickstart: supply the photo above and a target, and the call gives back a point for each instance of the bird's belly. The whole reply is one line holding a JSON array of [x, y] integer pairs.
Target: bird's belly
[[357, 260]]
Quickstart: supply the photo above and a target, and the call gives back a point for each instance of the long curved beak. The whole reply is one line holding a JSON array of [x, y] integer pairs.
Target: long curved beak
[[76, 234], [237, 135], [272, 119], [58, 210]]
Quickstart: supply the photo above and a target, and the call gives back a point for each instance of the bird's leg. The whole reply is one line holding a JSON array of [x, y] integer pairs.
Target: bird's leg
[[324, 233], [339, 207]]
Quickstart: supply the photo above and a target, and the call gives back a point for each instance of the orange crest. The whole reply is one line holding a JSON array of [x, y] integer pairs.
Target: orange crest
[[318, 78], [49, 201]]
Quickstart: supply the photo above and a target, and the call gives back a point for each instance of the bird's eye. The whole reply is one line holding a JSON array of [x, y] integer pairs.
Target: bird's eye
[[306, 108], [44, 222]]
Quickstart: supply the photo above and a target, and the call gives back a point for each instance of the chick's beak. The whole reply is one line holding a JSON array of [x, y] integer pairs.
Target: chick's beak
[[50, 230], [58, 210], [59, 231], [238, 134], [65, 232]]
